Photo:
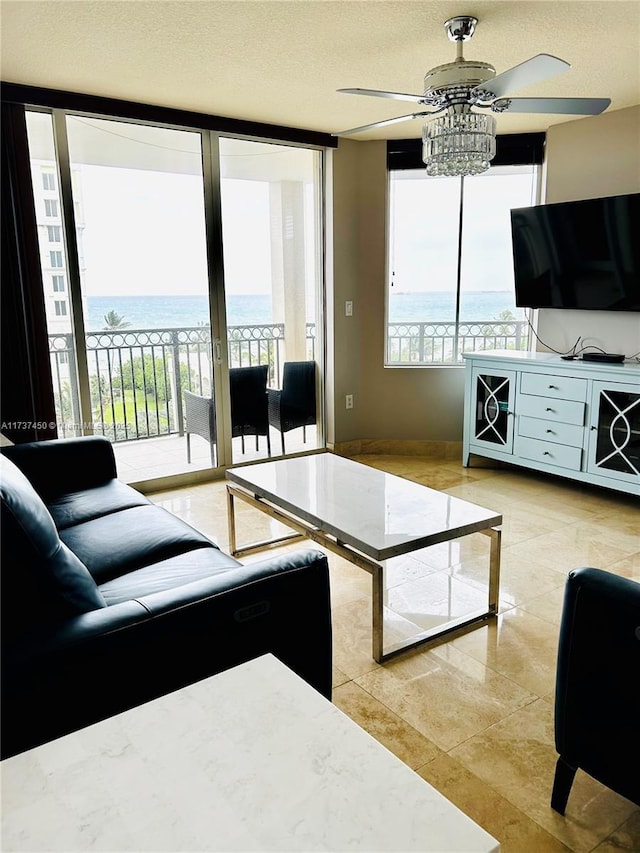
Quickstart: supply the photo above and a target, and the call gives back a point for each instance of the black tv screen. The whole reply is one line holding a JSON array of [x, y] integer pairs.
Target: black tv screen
[[578, 254]]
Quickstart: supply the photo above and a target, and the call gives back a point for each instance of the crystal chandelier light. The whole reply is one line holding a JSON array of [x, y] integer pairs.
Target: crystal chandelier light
[[459, 142]]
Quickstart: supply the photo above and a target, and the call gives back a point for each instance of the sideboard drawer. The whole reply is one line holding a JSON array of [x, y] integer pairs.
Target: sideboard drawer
[[560, 433], [565, 411], [546, 451], [560, 387]]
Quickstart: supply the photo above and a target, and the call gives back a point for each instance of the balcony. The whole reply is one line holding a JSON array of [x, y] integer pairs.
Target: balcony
[[136, 380], [137, 376]]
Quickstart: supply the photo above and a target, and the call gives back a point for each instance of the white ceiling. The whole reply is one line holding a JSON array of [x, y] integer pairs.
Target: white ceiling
[[280, 61]]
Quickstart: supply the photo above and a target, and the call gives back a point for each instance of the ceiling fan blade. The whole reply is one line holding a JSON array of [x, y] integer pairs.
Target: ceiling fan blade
[[533, 70], [378, 93], [379, 124], [566, 106]]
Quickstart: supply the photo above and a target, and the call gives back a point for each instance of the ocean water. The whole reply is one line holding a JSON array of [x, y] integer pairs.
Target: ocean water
[[165, 312]]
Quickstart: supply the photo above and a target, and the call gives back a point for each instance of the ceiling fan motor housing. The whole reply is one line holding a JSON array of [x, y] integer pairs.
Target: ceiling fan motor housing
[[457, 78]]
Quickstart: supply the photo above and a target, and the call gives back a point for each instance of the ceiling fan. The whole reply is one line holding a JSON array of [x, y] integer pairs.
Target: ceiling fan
[[454, 88]]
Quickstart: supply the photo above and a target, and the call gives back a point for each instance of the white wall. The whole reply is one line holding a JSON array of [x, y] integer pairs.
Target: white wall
[[592, 158], [389, 403]]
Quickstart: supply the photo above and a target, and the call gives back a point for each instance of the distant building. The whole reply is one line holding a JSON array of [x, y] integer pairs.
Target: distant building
[[53, 255]]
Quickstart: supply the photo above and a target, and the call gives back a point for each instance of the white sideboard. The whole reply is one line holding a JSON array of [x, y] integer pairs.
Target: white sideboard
[[574, 419]]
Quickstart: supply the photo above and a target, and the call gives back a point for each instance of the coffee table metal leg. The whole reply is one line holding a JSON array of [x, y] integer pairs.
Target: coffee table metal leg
[[272, 511], [494, 567], [377, 604], [231, 522], [435, 635]]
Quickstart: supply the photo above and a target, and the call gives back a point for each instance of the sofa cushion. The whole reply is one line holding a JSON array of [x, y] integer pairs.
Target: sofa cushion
[[169, 574], [64, 465], [46, 581], [76, 507], [124, 541]]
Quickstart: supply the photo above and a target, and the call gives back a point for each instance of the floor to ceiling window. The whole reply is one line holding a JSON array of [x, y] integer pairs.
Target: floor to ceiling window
[[154, 311], [450, 264]]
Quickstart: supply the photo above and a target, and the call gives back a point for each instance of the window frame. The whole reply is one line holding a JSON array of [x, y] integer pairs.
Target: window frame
[[48, 180], [56, 231], [519, 150]]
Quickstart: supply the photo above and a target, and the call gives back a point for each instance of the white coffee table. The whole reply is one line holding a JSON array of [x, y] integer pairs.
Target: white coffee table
[[366, 516], [252, 759]]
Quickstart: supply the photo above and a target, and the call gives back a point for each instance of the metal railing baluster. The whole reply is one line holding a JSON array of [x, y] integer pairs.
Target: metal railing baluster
[[115, 353]]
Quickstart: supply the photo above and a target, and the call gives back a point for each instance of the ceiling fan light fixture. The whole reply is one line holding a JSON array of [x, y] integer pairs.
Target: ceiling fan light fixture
[[459, 143]]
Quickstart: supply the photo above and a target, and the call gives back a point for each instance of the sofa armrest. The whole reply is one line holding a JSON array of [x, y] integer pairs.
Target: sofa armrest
[[280, 605], [102, 663], [64, 465]]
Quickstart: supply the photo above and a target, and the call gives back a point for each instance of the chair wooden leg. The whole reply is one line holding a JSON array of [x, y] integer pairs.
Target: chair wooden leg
[[304, 434], [562, 783], [188, 449], [282, 440], [213, 463], [268, 442]]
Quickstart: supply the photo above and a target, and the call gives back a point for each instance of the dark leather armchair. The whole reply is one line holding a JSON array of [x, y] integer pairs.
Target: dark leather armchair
[[249, 409], [597, 704], [295, 405]]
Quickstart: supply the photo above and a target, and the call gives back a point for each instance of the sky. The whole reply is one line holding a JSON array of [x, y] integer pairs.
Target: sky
[[423, 255], [144, 233]]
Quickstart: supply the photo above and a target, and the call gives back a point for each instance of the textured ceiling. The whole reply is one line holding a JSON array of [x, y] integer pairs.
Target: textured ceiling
[[281, 62]]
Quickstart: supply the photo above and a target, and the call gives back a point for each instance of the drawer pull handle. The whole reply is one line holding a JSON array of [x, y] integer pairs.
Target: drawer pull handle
[[553, 387], [546, 453], [548, 409], [551, 431]]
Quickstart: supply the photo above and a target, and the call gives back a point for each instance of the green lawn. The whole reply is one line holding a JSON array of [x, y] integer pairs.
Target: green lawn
[[125, 410]]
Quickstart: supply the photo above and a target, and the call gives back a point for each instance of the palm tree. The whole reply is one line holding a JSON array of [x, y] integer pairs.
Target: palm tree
[[114, 320]]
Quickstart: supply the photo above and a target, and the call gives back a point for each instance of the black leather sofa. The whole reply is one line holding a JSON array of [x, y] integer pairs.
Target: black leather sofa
[[109, 601]]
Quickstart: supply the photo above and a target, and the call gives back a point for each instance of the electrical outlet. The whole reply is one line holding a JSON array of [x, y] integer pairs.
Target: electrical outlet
[[348, 401], [348, 308]]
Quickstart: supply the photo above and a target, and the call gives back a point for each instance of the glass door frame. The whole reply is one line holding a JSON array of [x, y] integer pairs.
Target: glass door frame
[[210, 153]]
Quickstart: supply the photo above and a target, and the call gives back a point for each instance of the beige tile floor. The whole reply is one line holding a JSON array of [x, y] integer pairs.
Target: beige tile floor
[[474, 716]]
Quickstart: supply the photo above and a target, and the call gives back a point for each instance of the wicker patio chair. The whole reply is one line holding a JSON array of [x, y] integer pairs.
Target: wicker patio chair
[[200, 419], [295, 405], [249, 409]]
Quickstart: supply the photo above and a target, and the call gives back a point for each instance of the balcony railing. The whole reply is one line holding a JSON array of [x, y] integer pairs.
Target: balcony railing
[[137, 376], [437, 343]]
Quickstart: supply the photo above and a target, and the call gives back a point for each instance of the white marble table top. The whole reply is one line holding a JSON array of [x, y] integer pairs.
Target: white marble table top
[[380, 514], [252, 759]]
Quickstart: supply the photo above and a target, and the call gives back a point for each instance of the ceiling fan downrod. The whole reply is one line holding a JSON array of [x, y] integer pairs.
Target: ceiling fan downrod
[[459, 30]]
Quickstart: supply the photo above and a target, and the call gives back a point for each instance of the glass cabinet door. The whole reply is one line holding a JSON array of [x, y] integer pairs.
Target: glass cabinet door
[[492, 409], [614, 446]]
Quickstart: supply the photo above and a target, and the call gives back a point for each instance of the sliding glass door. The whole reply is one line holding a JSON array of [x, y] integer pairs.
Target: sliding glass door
[[133, 332], [182, 279], [272, 247]]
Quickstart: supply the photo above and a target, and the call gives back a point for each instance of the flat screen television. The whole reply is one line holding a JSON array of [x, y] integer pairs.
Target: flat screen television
[[578, 254]]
